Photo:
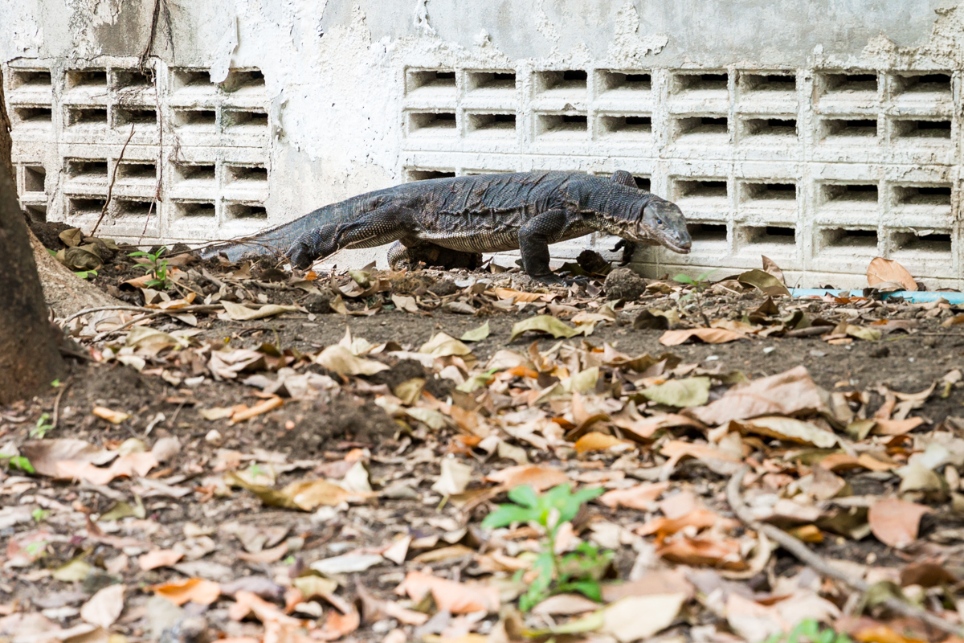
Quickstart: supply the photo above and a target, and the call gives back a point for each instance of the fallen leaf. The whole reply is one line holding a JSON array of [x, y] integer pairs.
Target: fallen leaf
[[159, 558], [197, 590], [339, 359], [895, 522], [538, 477], [641, 497], [712, 552], [405, 302], [708, 335], [883, 270], [545, 324], [692, 391], [443, 345], [450, 596], [454, 478], [765, 282], [237, 312], [307, 495], [114, 417], [636, 618], [476, 334], [104, 607], [347, 564], [790, 429], [262, 407], [594, 441]]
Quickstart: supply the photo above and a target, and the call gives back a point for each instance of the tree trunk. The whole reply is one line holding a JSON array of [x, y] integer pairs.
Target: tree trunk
[[29, 358]]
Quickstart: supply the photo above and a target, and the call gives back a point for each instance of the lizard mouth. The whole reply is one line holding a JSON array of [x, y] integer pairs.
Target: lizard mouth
[[683, 250]]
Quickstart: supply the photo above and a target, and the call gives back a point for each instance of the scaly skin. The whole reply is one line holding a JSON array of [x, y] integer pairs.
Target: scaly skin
[[457, 218]]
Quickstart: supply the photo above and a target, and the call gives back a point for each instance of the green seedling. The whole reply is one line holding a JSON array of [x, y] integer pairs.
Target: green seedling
[[86, 274], [18, 462], [699, 285], [42, 428], [156, 266], [39, 515], [575, 571], [809, 631]]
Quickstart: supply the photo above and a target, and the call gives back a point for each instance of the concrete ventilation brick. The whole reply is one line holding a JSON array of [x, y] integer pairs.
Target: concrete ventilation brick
[[195, 168], [819, 169]]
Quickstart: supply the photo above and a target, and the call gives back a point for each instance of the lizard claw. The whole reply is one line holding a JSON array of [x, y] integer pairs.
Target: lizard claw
[[628, 247]]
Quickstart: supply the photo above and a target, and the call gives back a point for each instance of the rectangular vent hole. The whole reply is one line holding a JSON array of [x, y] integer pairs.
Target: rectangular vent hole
[[913, 241], [850, 127], [87, 169], [431, 121], [923, 195], [844, 82], [195, 208], [643, 182], [922, 129], [769, 191], [500, 80], [430, 79], [712, 81], [770, 127], [33, 115], [195, 118], [243, 79], [785, 82], [704, 189], [428, 175], [191, 79], [771, 234], [850, 192], [923, 83], [247, 211], [87, 78], [36, 213], [561, 123], [137, 170], [627, 124], [707, 232], [134, 207], [85, 207], [195, 171], [246, 173], [245, 118], [492, 122], [570, 79], [133, 79], [30, 78], [86, 116], [135, 116], [716, 125], [34, 178], [850, 238], [626, 81]]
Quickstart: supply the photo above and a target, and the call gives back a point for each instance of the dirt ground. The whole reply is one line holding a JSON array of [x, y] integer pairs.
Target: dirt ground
[[203, 551]]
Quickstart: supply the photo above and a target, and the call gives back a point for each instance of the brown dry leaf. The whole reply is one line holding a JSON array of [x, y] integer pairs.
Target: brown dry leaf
[[250, 603], [645, 428], [595, 441], [788, 429], [265, 556], [238, 312], [716, 459], [641, 497], [306, 495], [517, 295], [789, 393], [896, 427], [338, 625], [719, 553], [639, 618], [114, 417], [338, 359], [197, 590], [450, 596], [104, 607], [538, 477], [75, 460], [264, 406], [159, 558], [698, 518], [707, 335], [895, 522], [883, 270]]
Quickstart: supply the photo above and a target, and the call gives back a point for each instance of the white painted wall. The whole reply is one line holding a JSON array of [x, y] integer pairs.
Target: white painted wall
[[341, 111]]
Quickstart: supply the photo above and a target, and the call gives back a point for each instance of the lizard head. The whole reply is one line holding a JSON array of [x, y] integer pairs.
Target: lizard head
[[662, 221]]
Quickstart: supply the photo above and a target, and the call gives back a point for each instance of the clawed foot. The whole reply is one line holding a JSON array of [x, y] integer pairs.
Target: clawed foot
[[629, 249], [553, 279]]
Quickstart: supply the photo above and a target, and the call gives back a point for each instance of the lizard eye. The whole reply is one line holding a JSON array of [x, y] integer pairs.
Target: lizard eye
[[659, 221]]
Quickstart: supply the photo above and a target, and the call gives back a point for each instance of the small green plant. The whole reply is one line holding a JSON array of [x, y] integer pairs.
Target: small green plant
[[575, 571], [39, 515], [17, 462], [86, 274], [699, 284], [43, 427], [809, 631], [156, 266]]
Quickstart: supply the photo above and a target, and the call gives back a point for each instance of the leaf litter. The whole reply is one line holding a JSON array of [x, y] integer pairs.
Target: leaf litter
[[269, 476]]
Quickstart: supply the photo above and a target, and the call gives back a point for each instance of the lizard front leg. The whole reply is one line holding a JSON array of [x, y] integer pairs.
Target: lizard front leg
[[534, 239]]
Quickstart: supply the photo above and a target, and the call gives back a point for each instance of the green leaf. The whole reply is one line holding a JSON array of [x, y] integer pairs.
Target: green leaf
[[524, 495], [588, 588], [506, 515], [22, 463], [545, 324], [476, 334], [692, 391]]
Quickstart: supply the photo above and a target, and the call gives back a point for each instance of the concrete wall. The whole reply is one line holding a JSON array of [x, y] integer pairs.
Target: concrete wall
[[819, 134]]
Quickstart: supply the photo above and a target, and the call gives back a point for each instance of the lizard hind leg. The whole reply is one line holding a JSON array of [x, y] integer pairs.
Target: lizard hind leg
[[402, 255]]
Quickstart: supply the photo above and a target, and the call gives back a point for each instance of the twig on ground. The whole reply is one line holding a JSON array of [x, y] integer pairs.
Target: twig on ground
[[199, 308], [819, 564], [56, 417], [113, 179]]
